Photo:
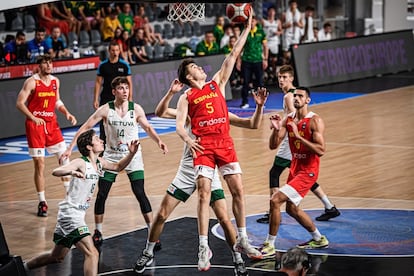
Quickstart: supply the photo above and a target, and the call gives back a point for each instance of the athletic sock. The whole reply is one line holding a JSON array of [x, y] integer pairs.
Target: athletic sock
[[98, 226], [237, 258], [271, 239], [242, 232], [326, 202], [203, 240], [316, 235], [41, 196], [150, 247]]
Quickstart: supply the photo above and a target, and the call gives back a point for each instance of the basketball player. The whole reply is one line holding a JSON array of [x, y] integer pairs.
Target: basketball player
[[183, 185], [120, 118], [205, 104], [283, 156], [305, 131], [71, 228], [37, 100]]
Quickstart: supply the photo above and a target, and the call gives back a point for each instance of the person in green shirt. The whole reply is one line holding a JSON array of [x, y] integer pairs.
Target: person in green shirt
[[253, 60], [218, 29], [208, 46], [126, 18]]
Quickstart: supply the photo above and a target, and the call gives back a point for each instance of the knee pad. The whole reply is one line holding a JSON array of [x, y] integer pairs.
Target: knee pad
[[104, 187], [139, 192]]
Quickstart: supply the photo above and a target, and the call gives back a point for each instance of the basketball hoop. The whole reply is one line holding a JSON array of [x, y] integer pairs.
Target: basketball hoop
[[186, 11]]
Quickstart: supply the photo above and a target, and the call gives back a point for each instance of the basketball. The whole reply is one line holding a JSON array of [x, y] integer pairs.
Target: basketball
[[238, 13]]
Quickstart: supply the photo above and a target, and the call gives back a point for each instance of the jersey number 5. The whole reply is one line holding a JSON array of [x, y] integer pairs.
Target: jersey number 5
[[209, 107]]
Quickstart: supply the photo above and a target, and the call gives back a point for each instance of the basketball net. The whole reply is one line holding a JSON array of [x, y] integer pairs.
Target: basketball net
[[186, 11]]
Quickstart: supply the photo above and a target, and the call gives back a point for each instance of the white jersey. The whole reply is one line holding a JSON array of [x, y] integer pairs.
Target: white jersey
[[284, 149], [119, 131], [71, 214], [292, 34], [310, 37], [270, 28]]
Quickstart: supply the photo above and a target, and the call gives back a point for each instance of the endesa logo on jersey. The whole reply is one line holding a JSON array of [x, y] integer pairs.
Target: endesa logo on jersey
[[212, 122], [43, 113]]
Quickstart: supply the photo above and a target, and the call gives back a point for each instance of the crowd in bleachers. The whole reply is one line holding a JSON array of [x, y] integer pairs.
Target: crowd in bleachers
[[142, 31]]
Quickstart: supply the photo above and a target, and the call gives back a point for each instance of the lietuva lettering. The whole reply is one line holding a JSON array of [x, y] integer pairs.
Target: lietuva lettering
[[205, 97], [213, 121], [120, 123]]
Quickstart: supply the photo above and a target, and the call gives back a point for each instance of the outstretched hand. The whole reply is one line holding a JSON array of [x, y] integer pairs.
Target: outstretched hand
[[275, 121], [176, 86], [260, 95], [133, 146], [195, 146]]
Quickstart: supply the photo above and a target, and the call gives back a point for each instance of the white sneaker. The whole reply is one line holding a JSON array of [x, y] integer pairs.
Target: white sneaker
[[244, 106], [243, 246], [204, 256]]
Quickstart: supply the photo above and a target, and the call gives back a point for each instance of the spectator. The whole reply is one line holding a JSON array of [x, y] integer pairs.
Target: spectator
[[137, 46], [16, 50], [140, 18], [126, 18], [208, 46], [110, 24], [89, 13], [37, 46], [59, 9], [218, 29], [272, 26], [142, 21], [325, 33], [228, 32], [292, 23], [254, 60], [235, 74], [124, 42], [295, 262], [58, 47], [315, 33], [308, 35], [47, 20]]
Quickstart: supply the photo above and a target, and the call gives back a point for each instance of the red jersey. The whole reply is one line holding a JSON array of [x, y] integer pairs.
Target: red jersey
[[43, 99], [303, 159], [208, 111]]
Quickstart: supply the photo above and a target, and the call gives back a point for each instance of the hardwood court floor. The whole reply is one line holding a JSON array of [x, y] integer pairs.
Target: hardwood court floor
[[369, 163]]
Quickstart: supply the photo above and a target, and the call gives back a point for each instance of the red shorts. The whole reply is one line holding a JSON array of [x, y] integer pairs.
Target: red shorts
[[42, 136], [218, 151], [302, 182]]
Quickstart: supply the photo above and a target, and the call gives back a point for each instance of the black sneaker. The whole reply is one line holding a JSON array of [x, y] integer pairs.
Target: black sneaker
[[144, 260], [157, 246], [240, 269], [97, 238], [42, 209], [264, 219], [329, 213]]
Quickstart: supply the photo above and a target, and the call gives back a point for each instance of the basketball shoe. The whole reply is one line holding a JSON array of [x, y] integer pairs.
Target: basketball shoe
[[42, 209], [329, 213], [312, 244], [97, 238], [268, 251], [144, 260], [204, 256], [240, 269], [243, 246]]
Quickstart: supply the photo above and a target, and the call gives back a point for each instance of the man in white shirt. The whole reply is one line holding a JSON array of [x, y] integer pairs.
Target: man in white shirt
[[325, 33]]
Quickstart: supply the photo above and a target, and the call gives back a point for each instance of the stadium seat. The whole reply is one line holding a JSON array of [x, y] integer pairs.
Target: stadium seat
[[188, 31], [96, 38], [150, 51], [84, 39], [178, 30], [197, 29], [29, 23], [17, 24], [168, 31], [168, 51], [158, 52], [72, 37]]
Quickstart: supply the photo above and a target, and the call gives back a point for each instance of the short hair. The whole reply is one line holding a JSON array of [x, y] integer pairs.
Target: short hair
[[286, 69], [113, 43], [20, 33], [310, 8], [119, 80], [327, 24], [304, 89], [296, 259], [42, 58], [84, 140], [183, 70], [40, 30]]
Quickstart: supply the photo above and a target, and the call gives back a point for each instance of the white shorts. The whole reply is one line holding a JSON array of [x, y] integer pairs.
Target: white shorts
[[136, 164], [291, 193]]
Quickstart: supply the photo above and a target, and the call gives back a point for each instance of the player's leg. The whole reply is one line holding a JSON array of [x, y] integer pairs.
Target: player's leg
[[330, 209], [104, 186], [57, 255], [39, 179], [90, 263]]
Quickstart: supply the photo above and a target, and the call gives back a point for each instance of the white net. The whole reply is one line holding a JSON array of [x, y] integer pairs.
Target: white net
[[186, 11]]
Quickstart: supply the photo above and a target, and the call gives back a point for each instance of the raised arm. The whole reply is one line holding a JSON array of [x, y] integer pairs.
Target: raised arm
[[146, 126], [260, 97], [278, 127], [162, 109], [223, 75], [74, 168], [133, 148]]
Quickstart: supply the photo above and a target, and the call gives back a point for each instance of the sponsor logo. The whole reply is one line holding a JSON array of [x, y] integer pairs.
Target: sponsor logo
[[212, 122], [47, 94], [83, 230], [300, 155], [43, 113]]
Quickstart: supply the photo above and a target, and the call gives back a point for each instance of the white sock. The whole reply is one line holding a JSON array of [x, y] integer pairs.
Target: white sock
[[271, 239], [237, 258], [203, 240], [242, 232], [148, 225], [316, 235], [150, 247], [41, 196], [98, 227], [326, 202]]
